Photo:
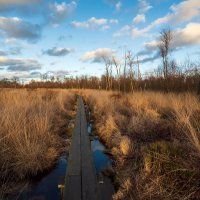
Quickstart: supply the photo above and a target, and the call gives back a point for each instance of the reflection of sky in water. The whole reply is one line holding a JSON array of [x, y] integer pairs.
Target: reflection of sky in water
[[89, 128], [47, 188], [101, 160], [96, 145]]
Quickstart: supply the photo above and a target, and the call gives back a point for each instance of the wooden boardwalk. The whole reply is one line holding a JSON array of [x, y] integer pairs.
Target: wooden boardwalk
[[81, 181]]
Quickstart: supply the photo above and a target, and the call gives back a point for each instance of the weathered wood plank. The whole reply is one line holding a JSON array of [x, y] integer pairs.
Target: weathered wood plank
[[73, 188], [106, 187], [81, 181], [90, 190], [73, 176]]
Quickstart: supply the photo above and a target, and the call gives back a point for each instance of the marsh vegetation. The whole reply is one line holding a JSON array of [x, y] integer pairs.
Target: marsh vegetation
[[33, 133], [155, 140]]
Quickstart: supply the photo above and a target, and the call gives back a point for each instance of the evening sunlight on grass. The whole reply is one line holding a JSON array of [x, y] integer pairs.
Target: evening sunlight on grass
[[99, 100]]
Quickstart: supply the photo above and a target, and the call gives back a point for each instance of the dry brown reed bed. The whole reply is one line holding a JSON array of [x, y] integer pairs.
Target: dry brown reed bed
[[155, 139], [33, 126]]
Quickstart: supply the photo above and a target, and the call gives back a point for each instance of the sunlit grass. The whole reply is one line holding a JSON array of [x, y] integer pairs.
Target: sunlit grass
[[155, 140], [32, 129]]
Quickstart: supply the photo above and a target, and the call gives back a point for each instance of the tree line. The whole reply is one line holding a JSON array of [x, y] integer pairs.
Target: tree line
[[125, 76]]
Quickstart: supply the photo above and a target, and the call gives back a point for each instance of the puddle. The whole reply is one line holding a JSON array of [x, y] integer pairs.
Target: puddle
[[47, 187], [89, 128], [101, 160]]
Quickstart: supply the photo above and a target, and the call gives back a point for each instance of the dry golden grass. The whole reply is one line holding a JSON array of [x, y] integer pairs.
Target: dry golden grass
[[125, 146], [155, 139], [33, 127]]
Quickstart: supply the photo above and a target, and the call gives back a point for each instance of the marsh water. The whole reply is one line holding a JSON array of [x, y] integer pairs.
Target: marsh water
[[46, 188], [101, 159]]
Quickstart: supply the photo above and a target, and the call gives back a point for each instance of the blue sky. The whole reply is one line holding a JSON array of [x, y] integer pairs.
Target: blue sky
[[67, 38]]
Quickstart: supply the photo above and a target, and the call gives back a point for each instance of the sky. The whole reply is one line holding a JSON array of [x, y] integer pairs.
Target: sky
[[69, 38]]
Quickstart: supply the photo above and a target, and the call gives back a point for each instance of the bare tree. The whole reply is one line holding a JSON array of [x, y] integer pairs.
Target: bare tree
[[130, 64], [138, 69], [52, 78], [108, 72], [164, 48], [44, 77], [15, 80], [118, 70], [124, 75], [173, 68]]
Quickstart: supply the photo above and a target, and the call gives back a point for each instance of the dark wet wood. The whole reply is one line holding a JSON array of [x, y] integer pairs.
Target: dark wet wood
[[73, 176], [81, 182], [90, 190], [106, 187]]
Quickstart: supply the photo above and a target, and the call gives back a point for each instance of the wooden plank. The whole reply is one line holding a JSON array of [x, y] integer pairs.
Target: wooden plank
[[81, 181], [73, 188], [106, 187], [74, 167], [90, 189], [73, 176]]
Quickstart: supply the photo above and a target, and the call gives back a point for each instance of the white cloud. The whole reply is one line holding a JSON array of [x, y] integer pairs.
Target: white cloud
[[56, 51], [144, 6], [118, 6], [11, 75], [185, 11], [94, 23], [190, 35], [59, 73], [16, 28], [60, 11], [179, 14], [3, 53], [152, 45], [131, 31], [19, 64], [113, 21], [125, 30], [11, 51], [104, 28], [139, 18], [7, 2], [187, 36], [10, 41], [135, 32], [90, 23], [98, 55]]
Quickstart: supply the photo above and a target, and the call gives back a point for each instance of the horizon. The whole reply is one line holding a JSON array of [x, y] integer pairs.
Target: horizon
[[68, 38]]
